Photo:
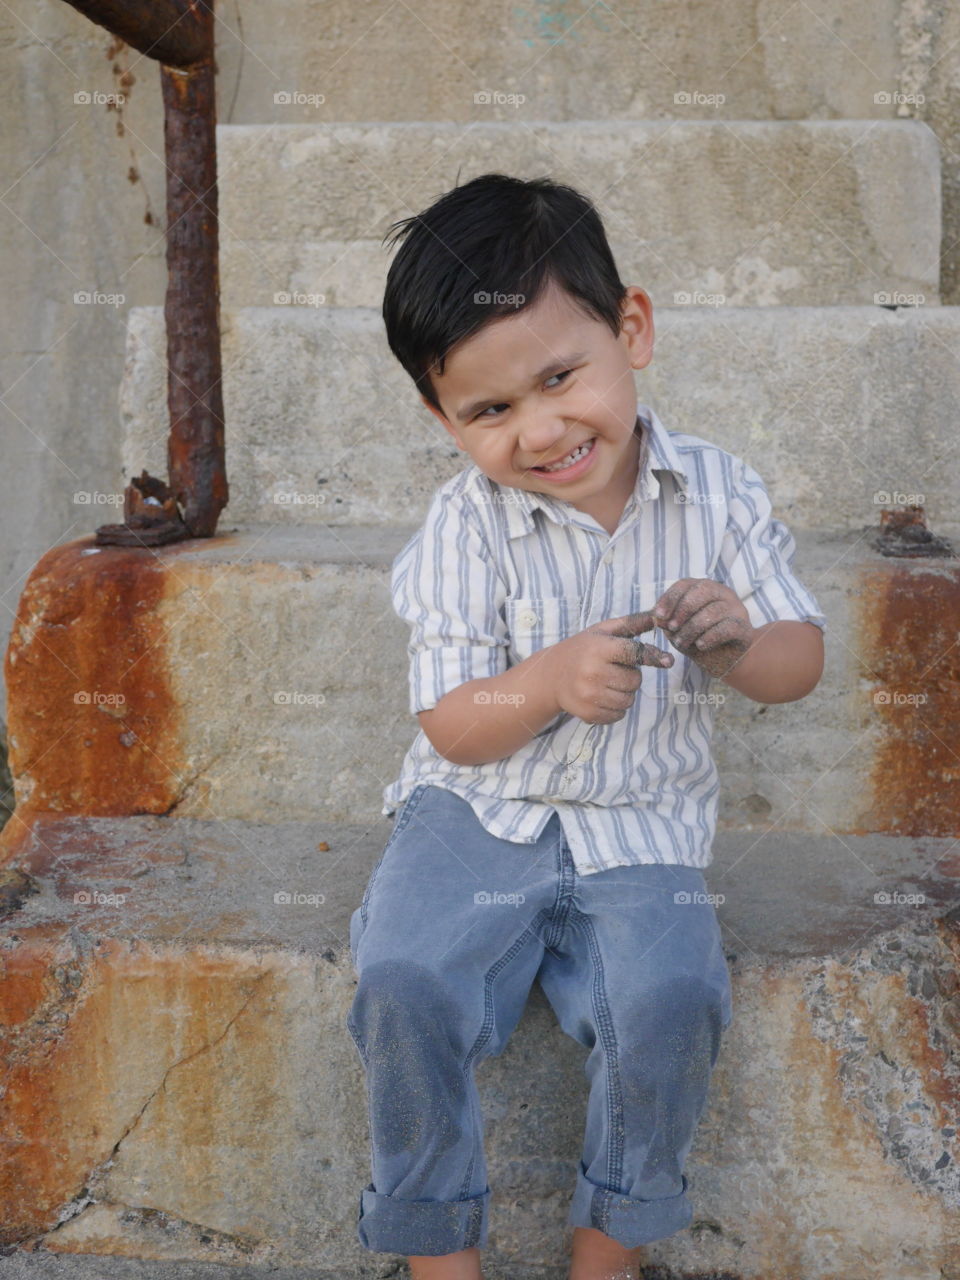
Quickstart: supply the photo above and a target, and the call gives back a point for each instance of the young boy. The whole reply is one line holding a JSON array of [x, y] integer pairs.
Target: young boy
[[558, 805]]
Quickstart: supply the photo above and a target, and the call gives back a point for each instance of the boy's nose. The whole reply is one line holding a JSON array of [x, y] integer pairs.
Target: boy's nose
[[545, 441]]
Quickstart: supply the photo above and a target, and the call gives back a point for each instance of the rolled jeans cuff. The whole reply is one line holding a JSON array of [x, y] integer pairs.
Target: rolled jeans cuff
[[625, 1219], [423, 1228]]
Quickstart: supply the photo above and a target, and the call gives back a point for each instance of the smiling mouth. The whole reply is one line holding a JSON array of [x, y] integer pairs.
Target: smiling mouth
[[570, 461]]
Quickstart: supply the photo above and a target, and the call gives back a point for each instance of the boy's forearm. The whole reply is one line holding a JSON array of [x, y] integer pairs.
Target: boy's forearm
[[484, 720], [784, 662]]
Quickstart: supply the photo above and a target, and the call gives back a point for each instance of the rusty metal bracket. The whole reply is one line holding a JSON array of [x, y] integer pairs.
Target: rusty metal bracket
[[904, 532], [179, 34]]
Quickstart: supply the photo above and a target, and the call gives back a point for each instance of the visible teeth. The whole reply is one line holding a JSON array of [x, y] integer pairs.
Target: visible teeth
[[570, 459]]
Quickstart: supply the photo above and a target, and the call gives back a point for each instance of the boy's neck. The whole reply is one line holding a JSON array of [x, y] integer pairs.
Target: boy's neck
[[607, 508]]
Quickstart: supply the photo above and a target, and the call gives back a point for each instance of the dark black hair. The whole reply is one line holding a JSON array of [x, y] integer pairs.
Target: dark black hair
[[477, 251]]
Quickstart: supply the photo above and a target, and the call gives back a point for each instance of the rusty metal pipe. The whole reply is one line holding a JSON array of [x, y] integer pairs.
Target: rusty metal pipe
[[174, 32]]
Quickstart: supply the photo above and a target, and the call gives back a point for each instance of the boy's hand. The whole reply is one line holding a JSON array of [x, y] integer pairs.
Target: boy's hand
[[705, 621], [594, 675]]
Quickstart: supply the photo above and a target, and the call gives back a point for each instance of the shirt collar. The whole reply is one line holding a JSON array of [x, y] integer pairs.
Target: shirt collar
[[661, 455]]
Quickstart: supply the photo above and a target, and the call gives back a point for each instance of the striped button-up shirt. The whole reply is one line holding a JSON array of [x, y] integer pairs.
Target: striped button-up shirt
[[497, 573]]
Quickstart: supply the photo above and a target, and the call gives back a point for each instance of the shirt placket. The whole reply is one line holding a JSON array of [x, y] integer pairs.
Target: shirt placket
[[584, 741]]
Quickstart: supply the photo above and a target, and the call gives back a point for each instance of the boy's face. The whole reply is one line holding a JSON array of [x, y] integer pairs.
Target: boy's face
[[528, 388]]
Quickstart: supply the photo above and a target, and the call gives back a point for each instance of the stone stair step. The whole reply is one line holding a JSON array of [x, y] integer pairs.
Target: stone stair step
[[793, 63], [264, 671], [770, 212], [832, 405], [183, 1087]]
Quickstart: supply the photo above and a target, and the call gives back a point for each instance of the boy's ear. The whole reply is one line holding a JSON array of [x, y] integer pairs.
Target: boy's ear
[[440, 418]]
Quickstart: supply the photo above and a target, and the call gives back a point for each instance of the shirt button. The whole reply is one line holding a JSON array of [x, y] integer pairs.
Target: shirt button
[[607, 557], [527, 618]]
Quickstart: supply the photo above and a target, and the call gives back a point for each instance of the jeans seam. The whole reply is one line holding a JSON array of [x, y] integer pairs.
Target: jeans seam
[[608, 1039], [486, 1027]]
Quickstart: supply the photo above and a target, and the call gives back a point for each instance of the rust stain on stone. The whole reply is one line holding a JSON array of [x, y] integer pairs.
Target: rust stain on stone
[[909, 648], [85, 1047], [92, 724]]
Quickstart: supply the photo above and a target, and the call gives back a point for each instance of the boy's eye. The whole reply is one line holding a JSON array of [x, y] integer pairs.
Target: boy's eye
[[496, 407]]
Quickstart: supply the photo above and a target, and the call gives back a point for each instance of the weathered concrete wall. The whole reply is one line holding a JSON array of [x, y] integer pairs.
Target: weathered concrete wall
[[83, 205]]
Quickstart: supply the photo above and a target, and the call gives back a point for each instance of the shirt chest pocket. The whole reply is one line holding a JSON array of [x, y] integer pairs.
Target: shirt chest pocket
[[534, 622]]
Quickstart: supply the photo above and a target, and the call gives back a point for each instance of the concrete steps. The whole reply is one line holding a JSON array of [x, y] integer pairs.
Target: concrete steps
[[764, 213], [832, 405], [264, 671], [183, 1089]]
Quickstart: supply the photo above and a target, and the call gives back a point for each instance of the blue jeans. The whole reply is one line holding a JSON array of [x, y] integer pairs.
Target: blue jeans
[[452, 930]]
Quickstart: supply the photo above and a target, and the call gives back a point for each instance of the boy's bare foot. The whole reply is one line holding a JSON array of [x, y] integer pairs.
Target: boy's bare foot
[[596, 1256], [464, 1265]]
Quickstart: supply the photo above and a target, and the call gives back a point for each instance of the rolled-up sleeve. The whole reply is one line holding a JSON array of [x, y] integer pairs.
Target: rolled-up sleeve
[[446, 585], [756, 556]]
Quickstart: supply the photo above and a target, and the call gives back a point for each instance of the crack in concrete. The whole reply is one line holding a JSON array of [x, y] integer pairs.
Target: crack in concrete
[[85, 1196]]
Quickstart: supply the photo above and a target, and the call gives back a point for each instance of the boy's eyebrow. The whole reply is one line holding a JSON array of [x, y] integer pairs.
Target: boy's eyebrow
[[554, 366]]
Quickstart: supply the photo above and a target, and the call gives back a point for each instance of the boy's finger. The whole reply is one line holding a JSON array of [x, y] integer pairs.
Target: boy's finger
[[648, 655], [632, 624], [671, 598]]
